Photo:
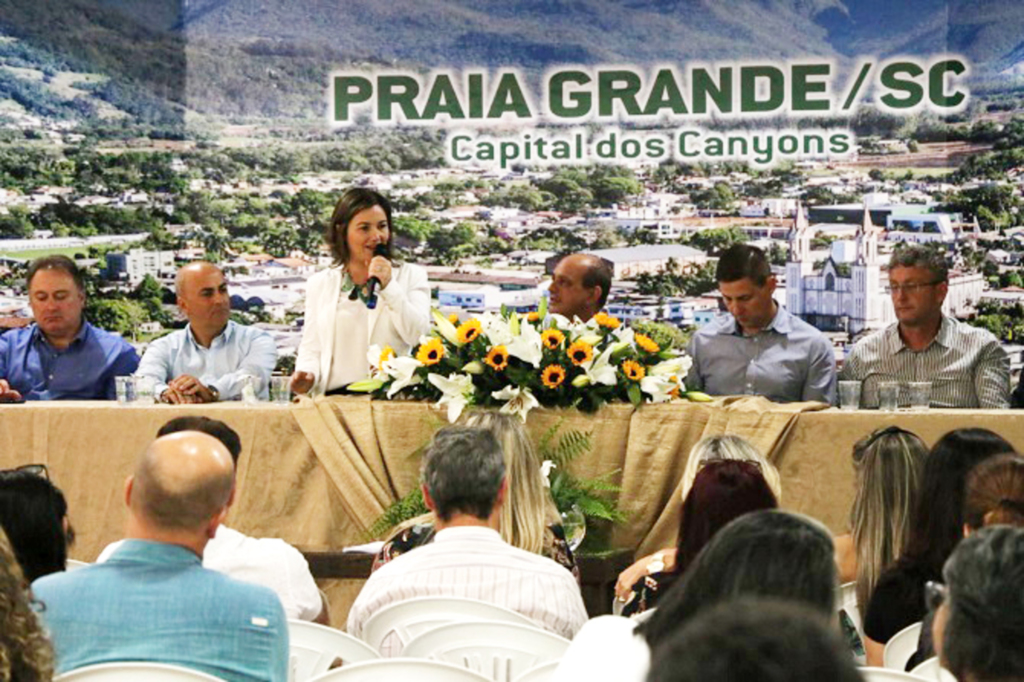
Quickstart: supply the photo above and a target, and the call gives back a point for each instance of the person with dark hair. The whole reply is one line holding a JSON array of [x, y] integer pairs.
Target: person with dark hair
[[978, 628], [212, 357], [25, 653], [270, 562], [758, 348], [343, 318], [34, 514], [61, 356], [966, 365], [579, 286], [722, 491], [936, 528], [153, 600], [464, 483], [754, 640]]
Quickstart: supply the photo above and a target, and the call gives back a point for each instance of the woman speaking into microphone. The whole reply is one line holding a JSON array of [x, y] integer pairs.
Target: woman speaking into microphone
[[361, 300]]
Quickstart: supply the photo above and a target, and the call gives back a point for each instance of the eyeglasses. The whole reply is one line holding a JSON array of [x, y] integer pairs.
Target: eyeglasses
[[935, 594], [911, 288], [39, 470]]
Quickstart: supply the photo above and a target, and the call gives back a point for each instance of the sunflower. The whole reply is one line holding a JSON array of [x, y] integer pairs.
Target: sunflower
[[454, 318], [580, 352], [385, 355], [431, 352], [552, 338], [633, 369], [468, 330], [646, 343], [532, 316], [605, 320], [675, 391], [552, 376], [497, 358]]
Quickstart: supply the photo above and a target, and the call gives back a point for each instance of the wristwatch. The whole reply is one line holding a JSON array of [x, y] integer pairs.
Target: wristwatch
[[215, 392], [657, 563]]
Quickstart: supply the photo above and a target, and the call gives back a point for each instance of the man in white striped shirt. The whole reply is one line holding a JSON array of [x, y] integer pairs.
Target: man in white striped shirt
[[966, 365], [464, 484]]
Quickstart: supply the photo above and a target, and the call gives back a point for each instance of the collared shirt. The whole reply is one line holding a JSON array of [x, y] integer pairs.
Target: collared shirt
[[153, 601], [85, 370], [788, 361], [237, 352], [269, 562], [966, 365], [474, 562]]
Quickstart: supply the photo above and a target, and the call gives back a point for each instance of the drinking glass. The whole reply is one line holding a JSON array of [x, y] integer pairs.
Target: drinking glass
[[888, 395], [849, 395], [250, 384], [920, 395], [280, 390], [125, 387], [574, 524], [145, 389]]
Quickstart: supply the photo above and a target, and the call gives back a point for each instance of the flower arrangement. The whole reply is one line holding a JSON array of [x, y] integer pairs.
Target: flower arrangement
[[518, 362]]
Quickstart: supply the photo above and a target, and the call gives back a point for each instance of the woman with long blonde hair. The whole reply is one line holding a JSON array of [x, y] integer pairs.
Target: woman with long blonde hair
[[25, 653]]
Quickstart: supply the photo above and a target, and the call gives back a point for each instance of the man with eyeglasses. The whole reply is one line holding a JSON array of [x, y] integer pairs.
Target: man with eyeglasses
[[966, 366]]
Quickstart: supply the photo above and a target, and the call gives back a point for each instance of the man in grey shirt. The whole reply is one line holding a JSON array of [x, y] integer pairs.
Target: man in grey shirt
[[759, 348], [966, 365]]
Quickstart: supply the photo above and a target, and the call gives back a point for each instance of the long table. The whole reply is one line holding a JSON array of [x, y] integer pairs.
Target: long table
[[319, 473]]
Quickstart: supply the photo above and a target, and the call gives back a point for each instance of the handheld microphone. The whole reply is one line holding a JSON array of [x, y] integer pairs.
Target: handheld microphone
[[372, 284]]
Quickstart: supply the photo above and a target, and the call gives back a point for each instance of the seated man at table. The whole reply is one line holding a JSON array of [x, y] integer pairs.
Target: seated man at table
[[579, 286], [966, 365], [153, 600], [212, 357], [61, 356], [269, 562], [464, 484], [758, 348]]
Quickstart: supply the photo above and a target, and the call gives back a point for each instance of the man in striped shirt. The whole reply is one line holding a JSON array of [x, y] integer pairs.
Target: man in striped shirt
[[966, 365], [464, 484]]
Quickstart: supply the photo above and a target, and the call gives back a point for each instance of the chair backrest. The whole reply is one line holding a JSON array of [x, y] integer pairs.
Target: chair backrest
[[539, 673], [887, 675], [313, 648], [931, 670], [134, 671], [901, 647], [400, 670], [406, 619], [500, 651], [846, 600]]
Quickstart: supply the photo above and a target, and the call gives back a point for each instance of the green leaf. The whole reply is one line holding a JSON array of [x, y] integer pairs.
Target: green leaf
[[634, 394]]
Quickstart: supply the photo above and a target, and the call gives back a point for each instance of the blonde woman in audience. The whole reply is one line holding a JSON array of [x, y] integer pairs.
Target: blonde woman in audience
[[529, 521], [25, 653], [712, 448], [889, 465]]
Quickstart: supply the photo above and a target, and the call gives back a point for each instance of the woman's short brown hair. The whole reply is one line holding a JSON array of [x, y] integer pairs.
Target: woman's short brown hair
[[352, 202]]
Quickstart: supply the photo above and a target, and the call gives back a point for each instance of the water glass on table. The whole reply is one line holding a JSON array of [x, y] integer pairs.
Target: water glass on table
[[920, 395], [849, 395], [125, 387], [145, 390], [280, 390], [888, 395]]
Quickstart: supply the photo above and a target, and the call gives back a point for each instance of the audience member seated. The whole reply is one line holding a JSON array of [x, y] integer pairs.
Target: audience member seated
[[979, 627], [61, 356], [269, 562], [937, 526], [746, 640], [25, 653], [212, 357], [579, 286], [758, 348], [152, 600], [723, 490], [34, 515], [706, 450], [967, 365], [529, 519], [465, 485]]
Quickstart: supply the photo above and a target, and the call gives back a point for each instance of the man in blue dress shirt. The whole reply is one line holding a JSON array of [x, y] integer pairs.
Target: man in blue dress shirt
[[759, 348], [153, 600], [213, 357], [61, 356]]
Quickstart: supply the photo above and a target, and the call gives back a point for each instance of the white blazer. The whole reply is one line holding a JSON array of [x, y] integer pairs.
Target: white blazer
[[401, 317]]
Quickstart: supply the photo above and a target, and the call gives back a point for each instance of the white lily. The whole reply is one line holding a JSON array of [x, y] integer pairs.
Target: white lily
[[623, 334], [373, 360], [402, 370], [545, 471], [445, 327], [474, 367], [456, 391], [600, 370], [658, 387], [496, 328], [527, 345], [677, 366], [520, 400]]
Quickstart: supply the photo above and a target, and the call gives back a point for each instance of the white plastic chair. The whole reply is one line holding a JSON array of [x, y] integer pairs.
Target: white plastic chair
[[901, 647], [887, 675], [400, 670], [501, 651], [134, 671], [539, 673], [846, 598], [73, 564], [931, 670], [314, 647], [406, 619]]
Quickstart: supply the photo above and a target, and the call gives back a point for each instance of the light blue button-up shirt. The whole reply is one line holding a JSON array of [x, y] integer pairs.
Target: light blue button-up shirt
[[154, 602], [789, 361], [239, 351]]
